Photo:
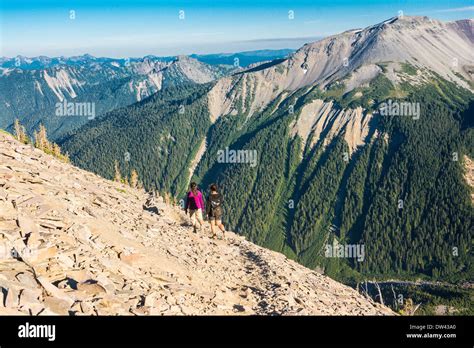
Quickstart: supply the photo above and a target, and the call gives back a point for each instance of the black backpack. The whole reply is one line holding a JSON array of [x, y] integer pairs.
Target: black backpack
[[216, 204]]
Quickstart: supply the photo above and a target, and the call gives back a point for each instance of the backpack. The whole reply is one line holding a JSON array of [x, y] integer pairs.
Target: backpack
[[216, 201]]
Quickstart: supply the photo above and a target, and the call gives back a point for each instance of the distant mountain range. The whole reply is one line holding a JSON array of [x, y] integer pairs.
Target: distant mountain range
[[43, 62], [32, 87]]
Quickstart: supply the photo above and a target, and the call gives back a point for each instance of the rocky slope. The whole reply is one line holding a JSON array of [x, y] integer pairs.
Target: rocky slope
[[74, 243]]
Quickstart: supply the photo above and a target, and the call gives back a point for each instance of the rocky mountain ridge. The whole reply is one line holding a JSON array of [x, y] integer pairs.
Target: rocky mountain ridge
[[354, 58], [74, 243]]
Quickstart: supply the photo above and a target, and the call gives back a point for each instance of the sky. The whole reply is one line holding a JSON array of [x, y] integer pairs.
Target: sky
[[135, 28]]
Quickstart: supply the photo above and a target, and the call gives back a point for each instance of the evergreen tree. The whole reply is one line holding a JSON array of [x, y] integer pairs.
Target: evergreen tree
[[134, 179], [117, 175], [20, 133]]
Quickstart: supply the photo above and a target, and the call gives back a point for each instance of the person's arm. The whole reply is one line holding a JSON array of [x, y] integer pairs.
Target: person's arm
[[186, 204], [202, 201], [208, 205]]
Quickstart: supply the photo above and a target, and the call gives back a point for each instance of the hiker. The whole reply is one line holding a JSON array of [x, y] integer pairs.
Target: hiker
[[214, 210], [195, 205]]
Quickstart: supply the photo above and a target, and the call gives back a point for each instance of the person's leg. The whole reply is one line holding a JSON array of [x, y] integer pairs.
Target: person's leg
[[213, 226], [199, 218], [220, 225], [192, 214]]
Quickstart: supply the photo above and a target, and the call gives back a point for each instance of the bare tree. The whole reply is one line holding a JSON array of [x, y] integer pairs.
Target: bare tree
[[117, 175], [363, 291], [395, 302], [377, 286]]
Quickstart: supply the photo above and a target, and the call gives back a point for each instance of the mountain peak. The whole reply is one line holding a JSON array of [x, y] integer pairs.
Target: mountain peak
[[184, 59], [429, 45], [85, 245]]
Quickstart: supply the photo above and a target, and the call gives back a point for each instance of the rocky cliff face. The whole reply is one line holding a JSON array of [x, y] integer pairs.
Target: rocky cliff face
[[74, 243]]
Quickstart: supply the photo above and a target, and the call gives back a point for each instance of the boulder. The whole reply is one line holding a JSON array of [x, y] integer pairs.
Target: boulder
[[57, 305], [129, 258], [91, 287]]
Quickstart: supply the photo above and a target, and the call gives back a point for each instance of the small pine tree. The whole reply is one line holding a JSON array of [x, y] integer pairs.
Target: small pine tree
[[17, 130], [65, 157], [134, 179], [20, 132], [408, 308], [24, 137], [35, 137], [41, 140], [56, 150], [117, 175]]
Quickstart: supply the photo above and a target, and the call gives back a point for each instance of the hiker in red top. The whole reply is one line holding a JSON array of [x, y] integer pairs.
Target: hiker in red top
[[195, 205]]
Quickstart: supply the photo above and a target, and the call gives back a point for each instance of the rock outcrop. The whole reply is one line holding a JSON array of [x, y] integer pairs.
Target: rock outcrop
[[74, 243], [469, 174]]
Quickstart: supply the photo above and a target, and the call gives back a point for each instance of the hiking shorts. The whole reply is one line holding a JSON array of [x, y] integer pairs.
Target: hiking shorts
[[215, 215], [216, 220], [195, 214]]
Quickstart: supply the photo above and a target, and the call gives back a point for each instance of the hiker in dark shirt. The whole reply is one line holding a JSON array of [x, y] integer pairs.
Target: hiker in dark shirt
[[214, 210]]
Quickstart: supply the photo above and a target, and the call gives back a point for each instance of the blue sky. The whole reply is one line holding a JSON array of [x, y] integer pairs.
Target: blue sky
[[122, 28]]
